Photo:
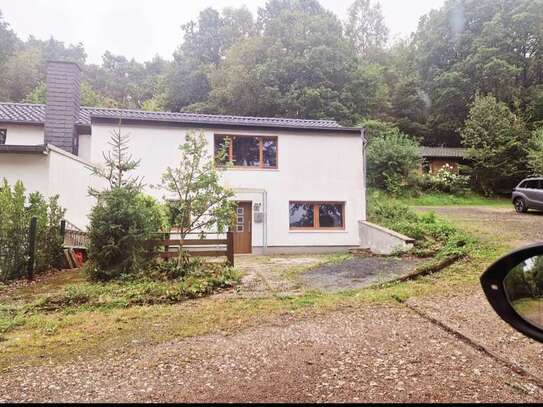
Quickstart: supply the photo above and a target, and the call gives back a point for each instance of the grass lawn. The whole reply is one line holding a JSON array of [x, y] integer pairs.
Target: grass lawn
[[440, 199], [31, 333]]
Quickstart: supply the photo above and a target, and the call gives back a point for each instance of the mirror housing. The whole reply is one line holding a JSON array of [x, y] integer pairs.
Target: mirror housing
[[493, 283]]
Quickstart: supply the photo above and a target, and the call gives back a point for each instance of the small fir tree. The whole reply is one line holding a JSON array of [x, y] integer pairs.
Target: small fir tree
[[122, 218]]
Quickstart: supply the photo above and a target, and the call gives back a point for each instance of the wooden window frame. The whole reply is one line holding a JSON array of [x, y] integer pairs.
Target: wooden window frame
[[3, 136], [260, 138], [316, 209]]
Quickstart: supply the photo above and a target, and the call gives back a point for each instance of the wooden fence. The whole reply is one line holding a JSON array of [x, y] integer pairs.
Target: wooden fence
[[74, 237], [194, 247]]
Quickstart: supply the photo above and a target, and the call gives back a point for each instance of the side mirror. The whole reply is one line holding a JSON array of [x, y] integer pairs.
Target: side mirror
[[514, 288]]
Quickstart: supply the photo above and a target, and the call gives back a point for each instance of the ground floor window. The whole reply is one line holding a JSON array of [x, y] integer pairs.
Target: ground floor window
[[317, 215], [3, 135]]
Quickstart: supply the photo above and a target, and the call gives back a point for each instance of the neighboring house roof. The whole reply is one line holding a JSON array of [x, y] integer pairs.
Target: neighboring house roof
[[445, 152], [35, 114]]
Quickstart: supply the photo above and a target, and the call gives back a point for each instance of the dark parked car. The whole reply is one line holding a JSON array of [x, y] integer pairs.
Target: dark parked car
[[528, 195]]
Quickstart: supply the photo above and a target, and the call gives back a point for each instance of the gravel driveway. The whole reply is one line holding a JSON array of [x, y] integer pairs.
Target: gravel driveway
[[379, 354], [370, 353]]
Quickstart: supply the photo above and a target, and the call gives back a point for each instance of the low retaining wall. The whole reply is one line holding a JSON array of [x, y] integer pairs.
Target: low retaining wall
[[381, 240]]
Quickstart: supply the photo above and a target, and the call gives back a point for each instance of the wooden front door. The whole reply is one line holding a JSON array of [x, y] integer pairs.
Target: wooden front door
[[242, 228]]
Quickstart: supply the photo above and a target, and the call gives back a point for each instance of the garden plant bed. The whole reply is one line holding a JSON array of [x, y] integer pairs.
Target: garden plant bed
[[359, 272]]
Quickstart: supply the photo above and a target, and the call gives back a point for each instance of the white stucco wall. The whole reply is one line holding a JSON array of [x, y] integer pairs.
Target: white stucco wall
[[70, 178], [85, 147], [22, 134], [312, 167], [50, 174], [31, 169]]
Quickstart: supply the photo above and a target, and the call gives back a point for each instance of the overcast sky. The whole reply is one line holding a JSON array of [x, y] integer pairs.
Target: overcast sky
[[142, 28]]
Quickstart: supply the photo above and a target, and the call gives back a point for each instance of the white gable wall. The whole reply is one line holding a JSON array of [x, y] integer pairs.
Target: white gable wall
[[70, 178], [50, 174], [31, 169], [23, 134], [312, 167]]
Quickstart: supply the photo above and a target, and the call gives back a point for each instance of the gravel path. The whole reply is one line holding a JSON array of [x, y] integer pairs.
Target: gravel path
[[379, 354]]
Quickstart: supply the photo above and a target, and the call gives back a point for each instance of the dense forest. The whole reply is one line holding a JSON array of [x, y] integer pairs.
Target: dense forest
[[296, 59]]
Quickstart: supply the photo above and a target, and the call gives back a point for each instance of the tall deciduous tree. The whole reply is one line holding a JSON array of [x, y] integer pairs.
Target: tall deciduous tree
[[365, 28], [535, 153], [495, 138]]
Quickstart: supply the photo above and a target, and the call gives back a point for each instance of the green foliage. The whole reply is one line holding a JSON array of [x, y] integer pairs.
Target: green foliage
[[122, 219], [445, 180], [88, 96], [365, 28], [434, 237], [142, 290], [16, 211], [198, 201], [495, 138], [444, 199], [477, 46], [535, 152], [525, 281], [120, 222], [392, 159]]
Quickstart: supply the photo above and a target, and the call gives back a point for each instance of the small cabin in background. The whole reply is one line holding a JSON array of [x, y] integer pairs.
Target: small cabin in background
[[435, 158]]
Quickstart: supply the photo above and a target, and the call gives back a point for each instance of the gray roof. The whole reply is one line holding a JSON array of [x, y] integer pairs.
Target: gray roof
[[448, 152], [35, 114]]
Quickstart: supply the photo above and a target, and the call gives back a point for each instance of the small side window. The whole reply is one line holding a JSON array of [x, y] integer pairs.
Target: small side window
[[3, 135]]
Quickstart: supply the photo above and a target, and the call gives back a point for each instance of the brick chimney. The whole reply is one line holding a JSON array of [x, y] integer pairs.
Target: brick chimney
[[63, 105]]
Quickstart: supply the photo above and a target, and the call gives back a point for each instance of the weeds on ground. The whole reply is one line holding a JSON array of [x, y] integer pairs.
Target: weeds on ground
[[434, 237], [149, 288]]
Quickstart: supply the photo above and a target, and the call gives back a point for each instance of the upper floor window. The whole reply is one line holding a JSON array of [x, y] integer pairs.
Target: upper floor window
[[249, 151], [3, 135]]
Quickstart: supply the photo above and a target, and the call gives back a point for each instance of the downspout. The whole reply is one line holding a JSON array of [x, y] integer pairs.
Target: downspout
[[364, 175]]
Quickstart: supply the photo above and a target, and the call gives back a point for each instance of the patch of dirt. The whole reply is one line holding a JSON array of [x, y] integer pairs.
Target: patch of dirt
[[358, 273], [372, 354]]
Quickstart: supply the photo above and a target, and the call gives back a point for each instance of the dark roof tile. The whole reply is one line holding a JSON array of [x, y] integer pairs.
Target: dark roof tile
[[449, 152], [35, 113]]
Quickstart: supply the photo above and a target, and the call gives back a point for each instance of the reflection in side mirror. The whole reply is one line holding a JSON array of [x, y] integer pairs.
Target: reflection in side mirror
[[524, 290], [514, 288]]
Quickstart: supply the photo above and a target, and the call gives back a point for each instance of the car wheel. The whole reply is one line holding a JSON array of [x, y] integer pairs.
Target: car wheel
[[520, 205]]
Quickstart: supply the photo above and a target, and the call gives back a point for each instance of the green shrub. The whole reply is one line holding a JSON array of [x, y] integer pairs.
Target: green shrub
[[445, 180], [392, 160], [16, 211], [120, 222], [433, 236], [496, 139]]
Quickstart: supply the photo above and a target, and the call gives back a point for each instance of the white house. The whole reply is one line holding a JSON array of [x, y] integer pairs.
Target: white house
[[299, 184]]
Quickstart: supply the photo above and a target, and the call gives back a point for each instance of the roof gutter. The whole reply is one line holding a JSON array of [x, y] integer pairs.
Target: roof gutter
[[22, 149], [239, 126]]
